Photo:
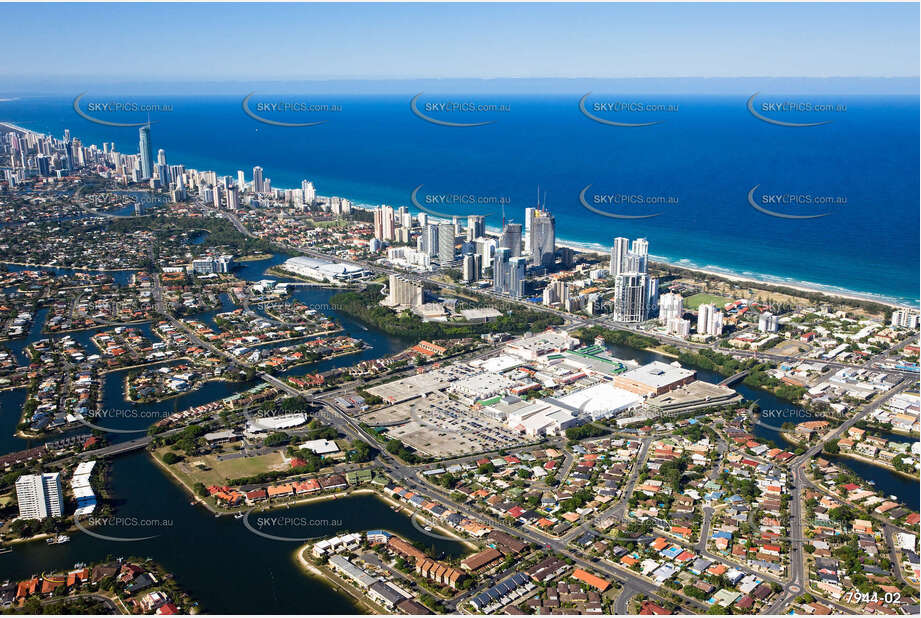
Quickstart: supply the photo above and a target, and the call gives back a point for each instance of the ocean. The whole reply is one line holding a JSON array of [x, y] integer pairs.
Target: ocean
[[699, 163]]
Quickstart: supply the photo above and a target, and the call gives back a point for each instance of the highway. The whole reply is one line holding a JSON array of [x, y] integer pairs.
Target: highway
[[407, 475], [573, 321]]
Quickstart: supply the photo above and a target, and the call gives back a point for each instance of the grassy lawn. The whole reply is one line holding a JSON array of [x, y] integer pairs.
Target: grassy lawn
[[335, 223], [695, 301], [220, 471]]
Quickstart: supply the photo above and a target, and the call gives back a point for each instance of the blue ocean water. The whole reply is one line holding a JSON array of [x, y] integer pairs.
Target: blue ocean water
[[706, 156]]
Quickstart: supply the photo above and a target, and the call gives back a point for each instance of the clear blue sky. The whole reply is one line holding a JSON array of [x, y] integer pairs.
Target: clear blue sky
[[293, 42]]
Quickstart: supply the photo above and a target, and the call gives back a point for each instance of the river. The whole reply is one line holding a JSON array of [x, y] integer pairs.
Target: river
[[227, 568]]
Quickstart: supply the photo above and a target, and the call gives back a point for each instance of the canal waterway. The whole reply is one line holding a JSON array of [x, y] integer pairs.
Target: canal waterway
[[221, 563]]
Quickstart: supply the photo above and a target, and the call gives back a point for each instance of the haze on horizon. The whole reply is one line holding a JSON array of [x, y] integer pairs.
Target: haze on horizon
[[176, 43]]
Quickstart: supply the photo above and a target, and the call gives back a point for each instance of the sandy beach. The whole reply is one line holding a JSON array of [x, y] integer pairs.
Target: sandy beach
[[751, 280]]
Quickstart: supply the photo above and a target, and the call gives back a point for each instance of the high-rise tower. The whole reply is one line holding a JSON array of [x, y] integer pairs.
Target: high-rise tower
[[146, 152]]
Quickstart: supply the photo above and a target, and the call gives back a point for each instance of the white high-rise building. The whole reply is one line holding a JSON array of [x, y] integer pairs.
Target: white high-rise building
[[405, 217], [678, 327], [768, 323], [904, 318], [618, 254], [241, 180], [627, 259], [703, 318], [39, 495], [630, 297], [486, 249], [476, 227], [557, 292], [709, 320], [670, 306], [233, 198], [640, 254], [716, 324], [403, 292], [446, 244], [308, 192], [528, 214]]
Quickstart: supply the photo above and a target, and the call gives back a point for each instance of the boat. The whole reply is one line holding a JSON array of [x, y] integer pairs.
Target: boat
[[239, 516], [58, 540], [5, 550], [428, 528]]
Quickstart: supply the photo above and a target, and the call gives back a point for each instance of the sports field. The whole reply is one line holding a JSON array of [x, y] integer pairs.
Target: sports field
[[695, 301]]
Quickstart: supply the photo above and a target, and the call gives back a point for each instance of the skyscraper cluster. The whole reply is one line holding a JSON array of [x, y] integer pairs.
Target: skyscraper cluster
[[636, 294]]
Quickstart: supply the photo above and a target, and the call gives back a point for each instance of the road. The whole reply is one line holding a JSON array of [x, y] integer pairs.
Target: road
[[406, 475], [618, 508], [799, 578], [89, 595], [572, 320], [621, 603]]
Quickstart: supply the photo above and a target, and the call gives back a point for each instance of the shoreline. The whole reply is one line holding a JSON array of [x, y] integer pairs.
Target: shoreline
[[269, 507], [877, 463], [74, 268], [737, 278], [760, 278], [312, 570]]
